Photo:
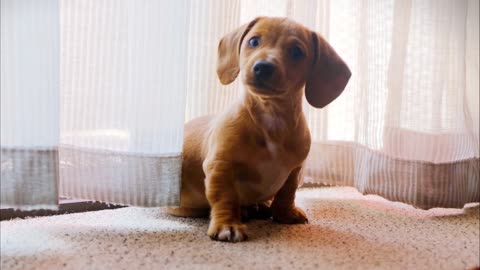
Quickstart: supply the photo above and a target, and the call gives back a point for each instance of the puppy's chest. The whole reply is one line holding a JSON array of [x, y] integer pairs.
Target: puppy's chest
[[273, 171], [269, 167]]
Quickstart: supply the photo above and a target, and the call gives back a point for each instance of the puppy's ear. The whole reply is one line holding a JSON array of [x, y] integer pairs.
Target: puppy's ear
[[328, 76], [229, 53]]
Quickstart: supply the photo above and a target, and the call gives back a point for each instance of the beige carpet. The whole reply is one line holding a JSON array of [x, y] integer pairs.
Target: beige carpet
[[346, 231]]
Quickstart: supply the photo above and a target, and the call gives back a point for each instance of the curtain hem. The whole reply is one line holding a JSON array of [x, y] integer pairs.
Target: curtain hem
[[119, 178], [29, 178], [421, 184]]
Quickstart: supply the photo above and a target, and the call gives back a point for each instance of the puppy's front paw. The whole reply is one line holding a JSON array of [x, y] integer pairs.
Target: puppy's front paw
[[291, 215], [227, 232]]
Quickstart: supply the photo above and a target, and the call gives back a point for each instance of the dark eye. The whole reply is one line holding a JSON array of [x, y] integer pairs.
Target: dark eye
[[254, 42], [296, 53]]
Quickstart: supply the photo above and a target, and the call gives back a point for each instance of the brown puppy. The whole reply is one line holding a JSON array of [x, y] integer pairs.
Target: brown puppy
[[253, 152]]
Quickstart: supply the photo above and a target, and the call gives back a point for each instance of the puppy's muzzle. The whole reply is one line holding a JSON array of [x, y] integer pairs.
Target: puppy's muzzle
[[263, 71]]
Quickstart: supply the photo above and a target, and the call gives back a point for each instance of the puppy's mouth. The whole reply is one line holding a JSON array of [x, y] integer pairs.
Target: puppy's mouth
[[262, 87]]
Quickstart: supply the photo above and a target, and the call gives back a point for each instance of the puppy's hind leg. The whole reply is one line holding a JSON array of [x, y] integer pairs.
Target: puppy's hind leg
[[283, 205]]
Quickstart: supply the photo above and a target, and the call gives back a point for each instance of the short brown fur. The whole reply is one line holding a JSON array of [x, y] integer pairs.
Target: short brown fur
[[253, 152]]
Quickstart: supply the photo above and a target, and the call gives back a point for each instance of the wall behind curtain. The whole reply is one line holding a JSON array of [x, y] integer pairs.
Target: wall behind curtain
[[406, 127]]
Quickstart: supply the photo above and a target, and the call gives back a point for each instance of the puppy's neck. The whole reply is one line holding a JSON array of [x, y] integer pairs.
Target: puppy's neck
[[275, 115]]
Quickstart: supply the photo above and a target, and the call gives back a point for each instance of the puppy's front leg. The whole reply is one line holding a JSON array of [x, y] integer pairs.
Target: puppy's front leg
[[225, 215], [283, 205]]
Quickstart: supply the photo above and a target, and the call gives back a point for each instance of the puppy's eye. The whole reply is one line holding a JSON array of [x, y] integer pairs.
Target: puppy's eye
[[296, 53], [254, 42]]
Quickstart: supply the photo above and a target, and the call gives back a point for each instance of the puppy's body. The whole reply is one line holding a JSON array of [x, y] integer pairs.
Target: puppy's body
[[261, 159], [253, 152]]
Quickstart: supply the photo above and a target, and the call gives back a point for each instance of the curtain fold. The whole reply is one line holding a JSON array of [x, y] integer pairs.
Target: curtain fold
[[29, 76], [123, 86], [209, 21]]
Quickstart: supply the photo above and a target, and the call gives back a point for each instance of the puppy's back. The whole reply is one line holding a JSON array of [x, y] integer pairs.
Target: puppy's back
[[193, 202]]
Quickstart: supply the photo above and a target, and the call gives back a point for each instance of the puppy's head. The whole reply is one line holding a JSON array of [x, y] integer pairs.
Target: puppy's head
[[276, 57]]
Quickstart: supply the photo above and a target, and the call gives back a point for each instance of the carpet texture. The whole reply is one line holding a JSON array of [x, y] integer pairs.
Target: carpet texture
[[346, 231]]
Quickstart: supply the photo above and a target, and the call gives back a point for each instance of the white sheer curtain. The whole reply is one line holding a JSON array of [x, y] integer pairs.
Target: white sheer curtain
[[29, 76], [94, 93], [93, 98], [123, 88], [406, 127]]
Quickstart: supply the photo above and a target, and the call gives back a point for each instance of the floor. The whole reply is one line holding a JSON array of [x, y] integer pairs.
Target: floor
[[346, 231]]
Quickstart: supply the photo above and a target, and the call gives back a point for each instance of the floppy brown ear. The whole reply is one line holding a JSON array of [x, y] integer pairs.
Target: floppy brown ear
[[328, 76], [229, 53]]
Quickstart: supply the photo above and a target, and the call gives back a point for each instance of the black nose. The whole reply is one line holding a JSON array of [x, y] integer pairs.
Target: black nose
[[263, 70]]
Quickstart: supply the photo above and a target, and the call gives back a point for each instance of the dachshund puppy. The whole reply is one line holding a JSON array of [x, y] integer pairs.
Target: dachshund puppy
[[252, 153]]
